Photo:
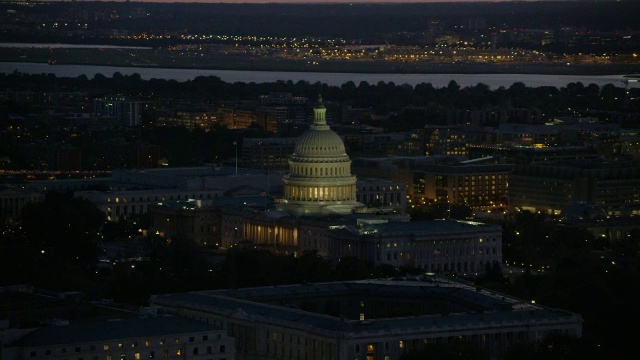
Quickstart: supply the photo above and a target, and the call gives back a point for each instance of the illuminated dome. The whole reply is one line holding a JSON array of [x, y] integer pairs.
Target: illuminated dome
[[319, 180], [319, 141]]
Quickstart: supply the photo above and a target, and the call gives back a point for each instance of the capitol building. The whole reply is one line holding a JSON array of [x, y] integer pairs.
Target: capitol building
[[319, 182]]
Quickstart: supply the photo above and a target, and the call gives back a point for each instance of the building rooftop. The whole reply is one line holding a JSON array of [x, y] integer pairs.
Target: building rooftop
[[76, 333], [283, 305], [375, 225]]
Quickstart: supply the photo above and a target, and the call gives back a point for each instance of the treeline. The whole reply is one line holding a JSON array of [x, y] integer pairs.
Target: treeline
[[384, 98]]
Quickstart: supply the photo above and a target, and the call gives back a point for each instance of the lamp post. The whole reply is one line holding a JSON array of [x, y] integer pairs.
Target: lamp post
[[235, 143]]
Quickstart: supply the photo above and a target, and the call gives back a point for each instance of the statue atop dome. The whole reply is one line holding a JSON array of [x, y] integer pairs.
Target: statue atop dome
[[320, 105], [320, 116]]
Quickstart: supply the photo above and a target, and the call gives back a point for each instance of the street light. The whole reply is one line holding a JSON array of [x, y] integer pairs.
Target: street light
[[236, 145]]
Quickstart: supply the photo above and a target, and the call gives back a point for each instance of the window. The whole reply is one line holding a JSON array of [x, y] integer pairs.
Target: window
[[148, 343], [205, 337], [33, 353], [222, 348], [109, 357], [195, 351], [179, 352], [165, 353], [176, 340], [191, 339], [77, 348], [137, 356], [152, 354]]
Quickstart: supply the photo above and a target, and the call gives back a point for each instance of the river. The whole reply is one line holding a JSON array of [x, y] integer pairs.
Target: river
[[494, 81]]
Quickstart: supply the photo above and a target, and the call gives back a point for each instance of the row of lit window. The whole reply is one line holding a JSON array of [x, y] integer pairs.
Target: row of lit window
[[162, 198]]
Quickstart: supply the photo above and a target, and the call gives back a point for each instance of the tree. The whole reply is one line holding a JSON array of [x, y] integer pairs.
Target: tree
[[61, 233]]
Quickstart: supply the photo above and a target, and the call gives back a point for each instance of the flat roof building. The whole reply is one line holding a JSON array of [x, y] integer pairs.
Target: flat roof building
[[162, 336], [369, 319]]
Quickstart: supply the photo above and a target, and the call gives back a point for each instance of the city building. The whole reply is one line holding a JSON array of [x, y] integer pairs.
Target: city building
[[267, 153], [476, 183], [369, 319], [13, 199], [128, 112], [129, 193], [160, 336], [126, 204], [464, 183], [319, 181], [445, 140], [441, 246], [41, 324], [552, 186], [188, 116], [382, 194], [530, 154]]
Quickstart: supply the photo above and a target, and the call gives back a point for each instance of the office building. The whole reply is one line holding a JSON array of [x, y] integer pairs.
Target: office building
[[441, 246], [152, 337], [550, 187], [369, 319], [128, 112]]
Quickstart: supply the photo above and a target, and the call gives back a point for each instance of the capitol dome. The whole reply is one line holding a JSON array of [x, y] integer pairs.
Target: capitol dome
[[319, 142], [319, 180]]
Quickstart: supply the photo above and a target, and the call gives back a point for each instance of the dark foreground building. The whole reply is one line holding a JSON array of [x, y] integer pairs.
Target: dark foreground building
[[369, 319]]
